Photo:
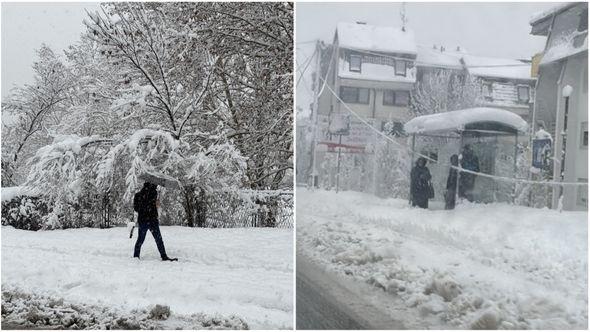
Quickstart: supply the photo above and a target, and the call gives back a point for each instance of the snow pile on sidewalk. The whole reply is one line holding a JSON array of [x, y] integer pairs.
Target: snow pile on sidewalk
[[492, 266], [29, 311], [242, 272]]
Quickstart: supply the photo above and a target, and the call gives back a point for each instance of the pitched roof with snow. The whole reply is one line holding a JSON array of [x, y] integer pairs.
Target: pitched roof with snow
[[476, 65], [430, 57], [373, 38], [497, 67], [459, 120]]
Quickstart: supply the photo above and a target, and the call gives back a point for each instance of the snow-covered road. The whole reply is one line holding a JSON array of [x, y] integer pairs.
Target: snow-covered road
[[479, 266], [246, 272], [329, 302]]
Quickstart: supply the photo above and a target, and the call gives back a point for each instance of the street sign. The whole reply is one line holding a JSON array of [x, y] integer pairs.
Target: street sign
[[339, 124], [541, 153]]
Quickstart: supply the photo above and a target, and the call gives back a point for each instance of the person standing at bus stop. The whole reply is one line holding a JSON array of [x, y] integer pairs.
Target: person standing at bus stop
[[420, 187], [470, 162]]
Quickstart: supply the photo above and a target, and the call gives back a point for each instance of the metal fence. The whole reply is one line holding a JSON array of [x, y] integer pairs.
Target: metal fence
[[250, 209]]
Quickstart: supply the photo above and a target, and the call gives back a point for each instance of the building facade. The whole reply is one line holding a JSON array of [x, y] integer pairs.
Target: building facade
[[562, 98]]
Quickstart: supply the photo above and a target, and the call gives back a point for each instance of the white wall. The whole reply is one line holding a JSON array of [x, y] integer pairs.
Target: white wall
[[576, 156]]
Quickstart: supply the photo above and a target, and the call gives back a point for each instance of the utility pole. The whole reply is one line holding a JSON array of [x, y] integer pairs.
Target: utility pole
[[314, 116]]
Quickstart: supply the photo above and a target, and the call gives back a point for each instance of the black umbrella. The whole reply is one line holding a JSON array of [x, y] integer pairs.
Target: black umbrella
[[159, 179]]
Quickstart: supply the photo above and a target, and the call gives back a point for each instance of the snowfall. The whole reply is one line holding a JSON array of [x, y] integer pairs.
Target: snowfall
[[494, 266], [237, 275]]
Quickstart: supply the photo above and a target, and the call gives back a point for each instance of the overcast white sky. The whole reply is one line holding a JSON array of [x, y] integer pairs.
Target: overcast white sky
[[25, 26], [490, 29], [486, 29]]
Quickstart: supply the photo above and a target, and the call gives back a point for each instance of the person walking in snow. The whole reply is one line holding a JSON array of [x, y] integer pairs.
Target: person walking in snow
[[469, 162], [420, 187], [146, 204], [451, 184]]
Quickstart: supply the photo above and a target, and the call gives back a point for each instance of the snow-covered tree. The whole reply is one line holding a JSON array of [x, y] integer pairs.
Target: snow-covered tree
[[31, 113], [444, 90], [172, 88]]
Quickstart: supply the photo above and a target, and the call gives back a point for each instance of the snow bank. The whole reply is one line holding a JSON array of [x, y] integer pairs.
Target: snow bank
[[25, 311], [493, 266], [379, 39], [243, 272], [457, 120]]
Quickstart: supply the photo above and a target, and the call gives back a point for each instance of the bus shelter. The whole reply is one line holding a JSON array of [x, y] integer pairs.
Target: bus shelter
[[492, 132]]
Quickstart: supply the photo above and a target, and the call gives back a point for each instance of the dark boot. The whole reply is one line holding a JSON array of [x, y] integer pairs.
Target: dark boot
[[166, 258]]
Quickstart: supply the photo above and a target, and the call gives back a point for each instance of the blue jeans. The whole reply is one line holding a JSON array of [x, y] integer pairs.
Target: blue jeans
[[154, 227]]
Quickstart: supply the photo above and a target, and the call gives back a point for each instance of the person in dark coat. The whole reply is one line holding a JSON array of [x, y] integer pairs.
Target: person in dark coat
[[419, 184], [146, 205], [469, 162], [451, 184]]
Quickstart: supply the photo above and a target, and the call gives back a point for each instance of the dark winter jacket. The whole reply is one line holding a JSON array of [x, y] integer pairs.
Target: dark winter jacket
[[145, 203], [420, 177], [452, 179], [469, 161]]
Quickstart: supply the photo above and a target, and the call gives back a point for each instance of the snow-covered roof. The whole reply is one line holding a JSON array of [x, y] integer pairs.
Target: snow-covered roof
[[373, 38], [476, 65], [8, 193], [543, 14], [430, 57], [458, 120], [567, 46], [497, 67]]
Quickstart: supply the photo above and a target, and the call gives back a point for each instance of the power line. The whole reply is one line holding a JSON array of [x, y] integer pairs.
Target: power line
[[308, 60]]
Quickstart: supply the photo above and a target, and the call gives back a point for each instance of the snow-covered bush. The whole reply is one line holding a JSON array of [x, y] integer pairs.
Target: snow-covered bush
[[393, 167], [25, 212]]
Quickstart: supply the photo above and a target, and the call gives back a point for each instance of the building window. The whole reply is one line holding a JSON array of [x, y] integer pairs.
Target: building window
[[402, 98], [388, 97], [486, 90], [584, 135], [400, 68], [363, 96], [354, 95], [523, 94], [396, 98], [356, 62]]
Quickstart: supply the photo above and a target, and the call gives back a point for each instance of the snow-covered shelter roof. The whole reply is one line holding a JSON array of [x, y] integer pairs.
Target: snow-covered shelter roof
[[479, 118], [373, 38], [498, 67]]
